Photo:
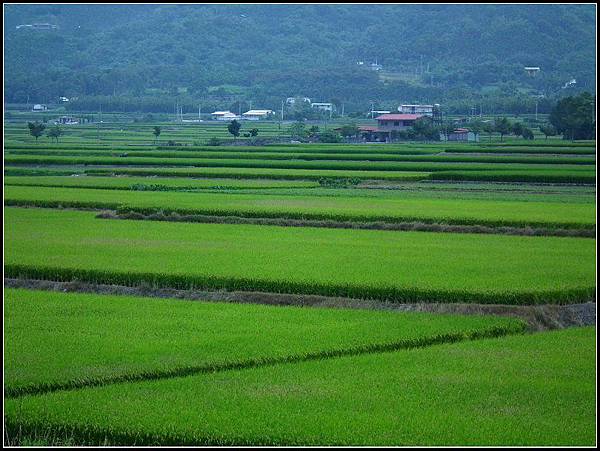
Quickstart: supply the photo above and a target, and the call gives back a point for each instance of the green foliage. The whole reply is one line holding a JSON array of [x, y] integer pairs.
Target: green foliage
[[330, 136], [548, 130], [234, 128], [155, 51], [36, 129], [502, 126], [573, 117], [156, 131], [297, 130], [517, 128], [214, 142], [527, 133], [425, 130], [349, 130], [55, 133]]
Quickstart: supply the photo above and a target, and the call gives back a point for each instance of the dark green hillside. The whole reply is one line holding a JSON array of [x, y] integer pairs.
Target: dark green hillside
[[446, 53]]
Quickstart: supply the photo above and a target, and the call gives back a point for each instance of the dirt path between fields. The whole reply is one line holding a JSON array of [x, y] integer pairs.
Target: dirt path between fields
[[538, 317]]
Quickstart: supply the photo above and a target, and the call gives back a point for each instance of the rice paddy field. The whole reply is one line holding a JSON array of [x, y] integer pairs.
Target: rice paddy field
[[183, 293]]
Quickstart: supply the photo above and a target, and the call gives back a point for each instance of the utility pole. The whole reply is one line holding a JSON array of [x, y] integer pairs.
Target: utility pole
[[342, 110], [282, 110]]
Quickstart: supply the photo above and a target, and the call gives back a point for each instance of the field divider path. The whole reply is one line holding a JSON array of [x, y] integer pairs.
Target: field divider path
[[183, 371], [365, 225], [383, 293]]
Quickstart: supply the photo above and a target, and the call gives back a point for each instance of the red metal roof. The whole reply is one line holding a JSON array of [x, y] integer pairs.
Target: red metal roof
[[398, 117], [367, 128]]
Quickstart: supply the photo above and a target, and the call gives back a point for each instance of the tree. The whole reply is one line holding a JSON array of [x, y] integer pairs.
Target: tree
[[573, 117], [330, 136], [548, 130], [36, 129], [527, 133], [476, 127], [54, 133], [234, 128], [156, 133], [502, 126], [424, 129], [489, 129], [447, 128], [254, 132], [313, 131], [297, 130], [349, 130], [517, 128]]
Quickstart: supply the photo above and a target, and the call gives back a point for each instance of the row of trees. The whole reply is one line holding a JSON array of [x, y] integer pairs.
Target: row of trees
[[36, 129]]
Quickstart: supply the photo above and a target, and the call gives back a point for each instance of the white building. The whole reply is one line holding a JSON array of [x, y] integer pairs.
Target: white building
[[225, 116], [63, 99], [292, 100], [425, 110], [255, 115], [322, 106], [39, 107], [66, 120]]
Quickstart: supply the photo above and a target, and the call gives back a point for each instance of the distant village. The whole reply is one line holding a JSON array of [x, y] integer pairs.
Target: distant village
[[388, 123]]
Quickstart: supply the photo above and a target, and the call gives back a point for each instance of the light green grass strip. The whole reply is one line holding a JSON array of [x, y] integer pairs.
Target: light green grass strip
[[402, 267], [66, 340], [520, 390], [458, 211], [132, 182]]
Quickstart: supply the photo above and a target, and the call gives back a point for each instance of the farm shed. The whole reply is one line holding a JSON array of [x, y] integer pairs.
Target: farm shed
[[255, 115], [461, 134]]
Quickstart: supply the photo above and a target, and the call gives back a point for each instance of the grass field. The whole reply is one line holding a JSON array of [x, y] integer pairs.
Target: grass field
[[385, 207], [507, 391], [113, 338], [370, 225], [411, 266], [156, 183]]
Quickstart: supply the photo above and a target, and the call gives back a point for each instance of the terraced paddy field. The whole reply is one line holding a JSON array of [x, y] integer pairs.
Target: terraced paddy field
[[403, 267], [194, 217], [385, 207], [106, 339], [507, 391]]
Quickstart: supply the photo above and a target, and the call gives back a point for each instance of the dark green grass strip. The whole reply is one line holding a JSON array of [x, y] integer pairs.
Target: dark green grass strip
[[125, 210], [515, 176], [382, 293], [536, 159], [183, 371]]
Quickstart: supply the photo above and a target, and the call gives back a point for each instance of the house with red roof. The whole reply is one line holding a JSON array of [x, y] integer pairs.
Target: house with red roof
[[387, 124]]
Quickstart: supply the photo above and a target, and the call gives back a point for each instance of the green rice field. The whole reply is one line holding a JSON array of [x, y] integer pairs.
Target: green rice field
[[114, 338], [511, 391], [63, 245], [178, 292]]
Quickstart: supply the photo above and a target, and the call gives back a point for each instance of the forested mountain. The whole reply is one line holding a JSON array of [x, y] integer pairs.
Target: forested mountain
[[457, 54]]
